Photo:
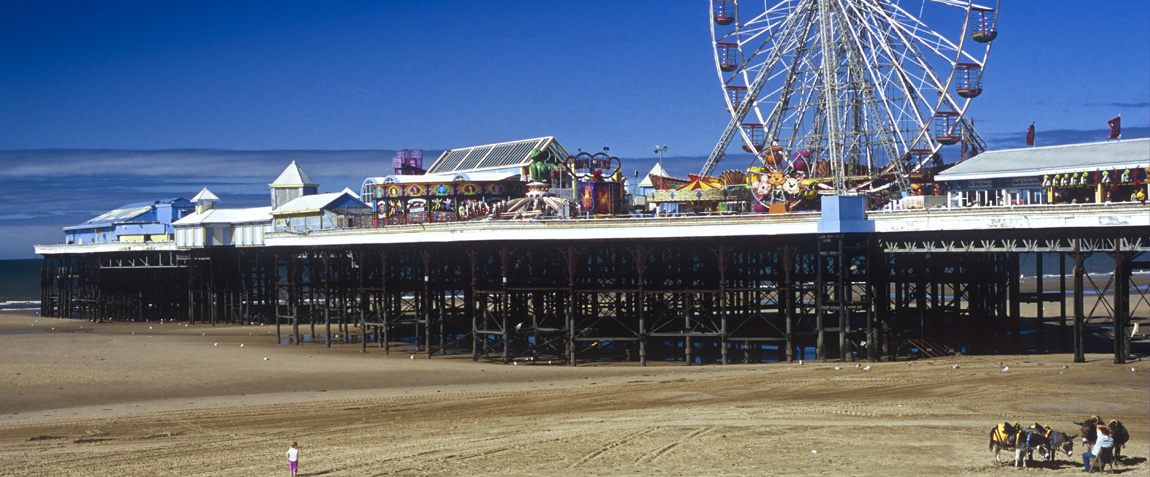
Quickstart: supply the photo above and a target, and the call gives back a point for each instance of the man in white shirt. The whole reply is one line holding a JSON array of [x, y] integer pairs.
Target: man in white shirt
[[1101, 446]]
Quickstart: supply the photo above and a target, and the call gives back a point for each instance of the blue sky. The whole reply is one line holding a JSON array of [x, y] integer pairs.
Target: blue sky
[[77, 77]]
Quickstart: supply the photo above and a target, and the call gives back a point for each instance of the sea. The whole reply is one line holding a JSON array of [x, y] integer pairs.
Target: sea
[[20, 284], [20, 279]]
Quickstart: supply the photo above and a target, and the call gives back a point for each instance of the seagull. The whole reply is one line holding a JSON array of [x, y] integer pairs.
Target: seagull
[[413, 356], [1065, 366], [858, 365], [515, 363], [1134, 370], [909, 363], [930, 362], [800, 361], [867, 368], [241, 345], [954, 366], [217, 345], [1006, 369], [837, 368], [265, 358]]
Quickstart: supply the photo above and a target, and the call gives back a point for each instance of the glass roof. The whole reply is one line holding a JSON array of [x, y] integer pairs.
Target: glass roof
[[122, 214], [494, 156]]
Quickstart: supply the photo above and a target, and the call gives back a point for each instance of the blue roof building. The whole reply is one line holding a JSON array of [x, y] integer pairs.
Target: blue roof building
[[136, 222]]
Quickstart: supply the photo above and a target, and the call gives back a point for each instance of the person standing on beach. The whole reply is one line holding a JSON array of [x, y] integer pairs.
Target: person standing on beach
[[293, 458]]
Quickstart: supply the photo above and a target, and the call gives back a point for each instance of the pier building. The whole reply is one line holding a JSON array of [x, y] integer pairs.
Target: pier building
[[1111, 171], [136, 222], [209, 226]]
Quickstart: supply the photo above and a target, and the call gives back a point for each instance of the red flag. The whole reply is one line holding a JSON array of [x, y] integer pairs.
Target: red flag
[[1030, 135], [1115, 127]]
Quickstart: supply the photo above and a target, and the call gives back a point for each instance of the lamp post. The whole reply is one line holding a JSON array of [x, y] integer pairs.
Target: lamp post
[[660, 150]]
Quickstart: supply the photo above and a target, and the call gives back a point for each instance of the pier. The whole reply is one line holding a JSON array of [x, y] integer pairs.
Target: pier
[[697, 289]]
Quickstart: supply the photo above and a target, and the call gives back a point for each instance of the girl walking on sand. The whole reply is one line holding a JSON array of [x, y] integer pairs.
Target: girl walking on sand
[[293, 458]]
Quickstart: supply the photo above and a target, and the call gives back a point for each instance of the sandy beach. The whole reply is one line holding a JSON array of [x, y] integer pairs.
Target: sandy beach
[[162, 399]]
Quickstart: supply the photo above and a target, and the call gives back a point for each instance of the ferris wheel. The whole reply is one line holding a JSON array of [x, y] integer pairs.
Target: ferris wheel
[[847, 96]]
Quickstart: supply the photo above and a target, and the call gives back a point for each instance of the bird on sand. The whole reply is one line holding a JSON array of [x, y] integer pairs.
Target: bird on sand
[[867, 368], [1006, 369]]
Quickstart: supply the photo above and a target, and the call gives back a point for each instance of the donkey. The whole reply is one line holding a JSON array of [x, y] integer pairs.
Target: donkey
[[1120, 435], [1002, 437], [1089, 431], [1030, 440], [1059, 441]]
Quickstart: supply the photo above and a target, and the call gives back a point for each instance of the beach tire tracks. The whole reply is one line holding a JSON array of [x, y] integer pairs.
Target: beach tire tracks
[[609, 447], [663, 450]]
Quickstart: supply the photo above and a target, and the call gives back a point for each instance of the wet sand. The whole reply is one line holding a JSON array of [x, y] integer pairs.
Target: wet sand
[[166, 399]]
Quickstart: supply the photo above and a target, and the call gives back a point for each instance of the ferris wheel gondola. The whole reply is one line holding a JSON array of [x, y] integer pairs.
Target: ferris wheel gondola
[[855, 85]]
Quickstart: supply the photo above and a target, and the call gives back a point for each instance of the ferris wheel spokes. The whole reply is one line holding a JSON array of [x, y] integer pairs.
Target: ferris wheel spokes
[[859, 87]]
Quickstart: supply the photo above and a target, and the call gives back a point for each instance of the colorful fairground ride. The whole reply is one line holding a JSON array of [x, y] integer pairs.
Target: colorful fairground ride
[[599, 183], [835, 97]]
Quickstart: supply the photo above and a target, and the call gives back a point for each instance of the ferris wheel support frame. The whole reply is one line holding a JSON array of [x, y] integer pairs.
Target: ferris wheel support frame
[[830, 97]]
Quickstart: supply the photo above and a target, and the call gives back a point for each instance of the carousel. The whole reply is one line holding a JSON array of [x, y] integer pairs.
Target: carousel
[[727, 193]]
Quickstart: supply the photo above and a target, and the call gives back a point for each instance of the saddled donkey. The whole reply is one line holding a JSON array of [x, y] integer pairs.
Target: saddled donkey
[[1059, 442], [1002, 437], [1028, 441], [1120, 435], [1089, 431]]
